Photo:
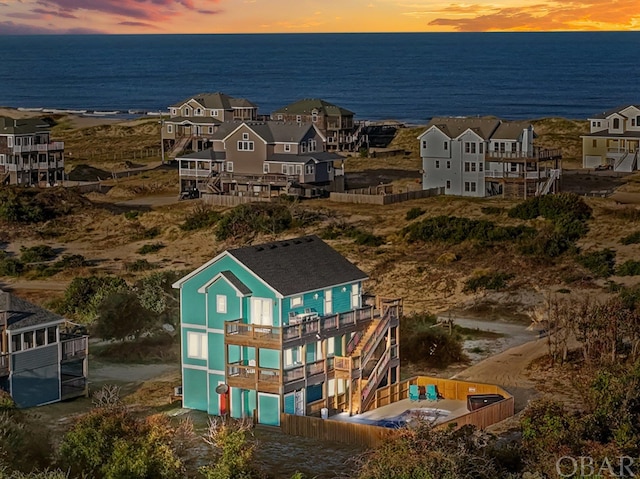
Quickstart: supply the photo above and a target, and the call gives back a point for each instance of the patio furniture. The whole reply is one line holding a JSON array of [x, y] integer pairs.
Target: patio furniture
[[432, 392], [414, 394]]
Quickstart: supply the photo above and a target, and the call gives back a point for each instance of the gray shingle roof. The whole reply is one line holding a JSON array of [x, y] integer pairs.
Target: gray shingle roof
[[10, 126], [318, 157], [510, 130], [270, 131], [307, 105], [197, 120], [298, 265], [606, 134], [605, 114], [23, 314], [208, 154], [235, 281], [218, 101]]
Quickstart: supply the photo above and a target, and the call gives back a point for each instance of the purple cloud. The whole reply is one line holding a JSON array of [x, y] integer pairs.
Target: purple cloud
[[11, 28]]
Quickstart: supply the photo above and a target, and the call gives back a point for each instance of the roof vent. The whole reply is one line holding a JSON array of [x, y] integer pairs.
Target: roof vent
[[259, 248], [284, 244], [297, 242], [273, 246], [309, 239]]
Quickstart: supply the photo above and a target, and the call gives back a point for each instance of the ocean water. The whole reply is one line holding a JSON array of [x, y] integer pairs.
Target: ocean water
[[408, 77]]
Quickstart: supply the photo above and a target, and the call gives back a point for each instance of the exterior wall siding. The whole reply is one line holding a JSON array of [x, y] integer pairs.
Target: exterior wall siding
[[36, 386], [194, 389]]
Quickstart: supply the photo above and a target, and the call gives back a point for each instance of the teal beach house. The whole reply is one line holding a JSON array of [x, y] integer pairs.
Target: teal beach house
[[284, 327]]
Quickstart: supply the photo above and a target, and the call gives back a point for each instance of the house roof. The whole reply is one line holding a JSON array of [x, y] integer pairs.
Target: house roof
[[235, 281], [208, 154], [23, 314], [605, 114], [22, 126], [307, 105], [269, 131], [298, 265], [454, 127], [317, 157], [606, 134], [510, 130], [218, 101], [198, 120]]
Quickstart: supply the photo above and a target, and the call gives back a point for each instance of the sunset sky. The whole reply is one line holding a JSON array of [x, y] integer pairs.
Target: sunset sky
[[276, 16]]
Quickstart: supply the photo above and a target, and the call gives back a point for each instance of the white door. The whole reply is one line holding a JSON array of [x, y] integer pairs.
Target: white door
[[261, 311], [355, 296], [328, 296]]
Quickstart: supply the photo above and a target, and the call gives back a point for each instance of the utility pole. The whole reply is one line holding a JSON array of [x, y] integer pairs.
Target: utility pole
[[161, 136]]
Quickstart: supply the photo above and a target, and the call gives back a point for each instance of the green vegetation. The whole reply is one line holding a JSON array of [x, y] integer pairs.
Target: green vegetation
[[83, 296], [454, 230], [424, 344], [495, 281], [150, 248], [601, 263], [359, 236], [249, 219], [139, 265], [633, 238], [25, 205], [492, 210], [201, 217], [414, 213], [629, 268]]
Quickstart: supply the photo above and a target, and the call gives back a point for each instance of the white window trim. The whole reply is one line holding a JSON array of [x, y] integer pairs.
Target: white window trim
[[296, 302], [221, 304], [287, 147], [169, 128], [199, 342], [230, 166]]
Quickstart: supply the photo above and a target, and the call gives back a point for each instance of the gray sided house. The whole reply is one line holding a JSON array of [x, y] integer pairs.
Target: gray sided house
[[335, 123], [194, 120], [613, 140], [260, 159], [487, 157], [40, 362], [284, 327], [28, 157]]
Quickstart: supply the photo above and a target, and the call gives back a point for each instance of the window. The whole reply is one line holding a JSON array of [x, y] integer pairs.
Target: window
[[308, 169], [298, 118], [287, 147], [473, 166], [633, 122], [594, 143], [481, 148], [448, 165], [52, 335], [1, 159], [514, 147], [265, 168], [215, 112], [230, 166], [187, 112], [198, 112], [448, 184], [261, 311], [638, 120], [245, 136], [616, 123], [245, 145], [473, 186], [513, 167], [446, 146], [437, 164], [280, 117], [40, 337], [298, 169], [424, 143], [169, 128], [355, 296], [303, 147], [314, 116], [296, 301], [27, 339], [328, 167], [210, 130], [328, 297], [503, 147], [480, 166], [221, 303], [469, 147], [284, 169], [292, 357], [16, 342], [467, 166], [174, 112], [466, 186], [496, 146], [312, 145], [331, 347], [196, 345]]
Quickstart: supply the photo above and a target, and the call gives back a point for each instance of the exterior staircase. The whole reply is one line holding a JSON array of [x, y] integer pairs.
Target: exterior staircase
[[214, 183], [359, 367], [545, 187], [179, 146], [4, 178]]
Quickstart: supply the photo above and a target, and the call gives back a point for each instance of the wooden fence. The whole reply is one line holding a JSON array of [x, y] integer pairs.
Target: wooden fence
[[372, 436], [384, 199], [229, 200]]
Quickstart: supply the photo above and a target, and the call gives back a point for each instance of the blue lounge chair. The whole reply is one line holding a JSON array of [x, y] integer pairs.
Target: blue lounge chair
[[432, 392], [414, 394]]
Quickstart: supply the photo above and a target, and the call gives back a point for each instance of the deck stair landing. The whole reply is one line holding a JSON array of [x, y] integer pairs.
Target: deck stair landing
[[179, 146]]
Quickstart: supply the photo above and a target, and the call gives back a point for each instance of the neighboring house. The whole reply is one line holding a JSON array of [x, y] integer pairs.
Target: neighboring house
[[40, 363], [335, 123], [260, 159], [282, 327], [487, 157], [194, 120], [613, 140], [28, 157]]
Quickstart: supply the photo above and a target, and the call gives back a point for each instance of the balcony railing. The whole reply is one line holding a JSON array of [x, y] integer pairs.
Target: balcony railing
[[54, 146], [529, 175], [74, 347], [73, 387], [199, 173], [314, 368], [293, 374], [536, 154], [245, 376]]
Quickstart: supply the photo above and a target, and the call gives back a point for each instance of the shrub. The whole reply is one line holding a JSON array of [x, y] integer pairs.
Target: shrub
[[600, 263], [454, 230], [413, 213], [254, 218], [139, 265], [37, 254], [11, 267], [201, 217], [150, 248], [131, 215], [426, 345], [366, 239], [71, 261], [83, 296], [629, 268], [493, 281], [633, 238], [492, 210], [553, 207]]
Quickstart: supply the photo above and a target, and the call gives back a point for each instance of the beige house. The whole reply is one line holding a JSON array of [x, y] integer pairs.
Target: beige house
[[28, 157], [613, 140], [260, 159], [194, 120], [335, 123]]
